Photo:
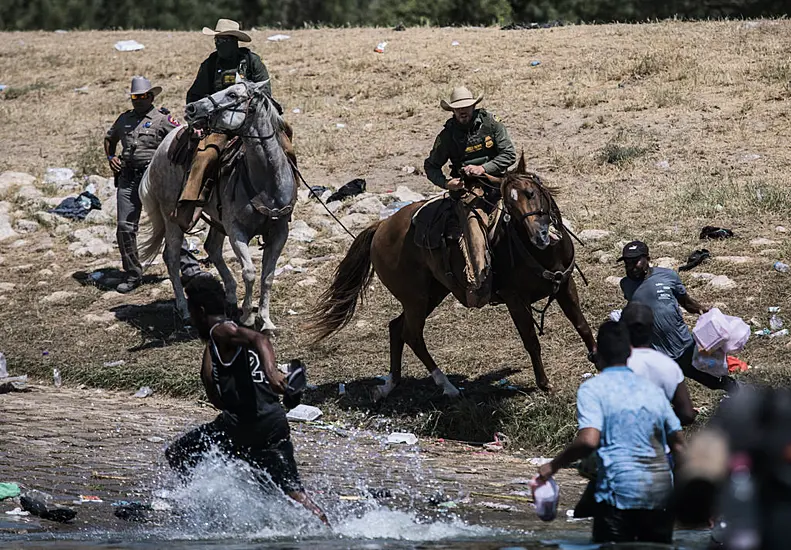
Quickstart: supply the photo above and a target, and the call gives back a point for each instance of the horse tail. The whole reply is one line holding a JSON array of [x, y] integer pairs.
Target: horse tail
[[155, 234], [337, 304]]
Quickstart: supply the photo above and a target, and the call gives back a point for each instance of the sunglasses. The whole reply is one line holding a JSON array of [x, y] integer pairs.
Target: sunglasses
[[139, 96]]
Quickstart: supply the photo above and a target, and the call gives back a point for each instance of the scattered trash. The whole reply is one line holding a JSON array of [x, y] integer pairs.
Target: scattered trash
[[397, 438], [392, 208], [56, 378], [278, 37], [710, 232], [60, 31], [77, 208], [155, 439], [296, 110], [448, 505], [115, 363], [3, 87], [304, 413], [750, 156], [500, 442], [535, 63], [695, 259], [13, 383], [779, 333], [317, 190], [341, 388], [351, 189], [340, 125], [545, 496], [41, 504], [736, 365], [82, 90], [408, 169], [9, 490], [128, 46], [3, 366], [88, 498], [17, 512], [131, 511], [774, 309], [498, 506], [587, 375], [781, 267], [762, 332], [775, 322], [615, 315], [380, 47], [144, 391], [663, 165], [292, 312], [455, 43]]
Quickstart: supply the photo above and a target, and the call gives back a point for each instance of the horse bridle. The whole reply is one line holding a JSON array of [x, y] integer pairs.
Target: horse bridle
[[233, 106]]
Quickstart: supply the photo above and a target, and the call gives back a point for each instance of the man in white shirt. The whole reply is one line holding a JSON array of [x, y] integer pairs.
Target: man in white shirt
[[655, 365]]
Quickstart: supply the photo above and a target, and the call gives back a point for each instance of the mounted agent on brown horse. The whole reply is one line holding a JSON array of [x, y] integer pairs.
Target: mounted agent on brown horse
[[526, 269]]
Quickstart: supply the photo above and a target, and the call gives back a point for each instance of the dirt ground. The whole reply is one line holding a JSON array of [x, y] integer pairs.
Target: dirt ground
[[70, 442], [650, 131]]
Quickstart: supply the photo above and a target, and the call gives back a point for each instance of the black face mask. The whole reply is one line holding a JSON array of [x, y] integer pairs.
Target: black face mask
[[227, 49]]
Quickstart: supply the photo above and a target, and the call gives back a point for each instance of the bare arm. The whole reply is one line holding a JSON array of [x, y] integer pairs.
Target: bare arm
[[110, 144], [691, 305], [682, 405], [585, 443], [240, 336], [678, 446]]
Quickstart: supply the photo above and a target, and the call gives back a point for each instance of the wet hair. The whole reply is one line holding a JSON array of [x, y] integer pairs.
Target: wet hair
[[206, 292], [612, 344], [639, 321]]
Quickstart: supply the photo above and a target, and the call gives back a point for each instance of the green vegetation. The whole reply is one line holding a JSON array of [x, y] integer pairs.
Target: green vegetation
[[192, 14]]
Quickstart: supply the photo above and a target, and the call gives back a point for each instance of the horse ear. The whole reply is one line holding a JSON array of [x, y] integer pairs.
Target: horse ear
[[521, 168]]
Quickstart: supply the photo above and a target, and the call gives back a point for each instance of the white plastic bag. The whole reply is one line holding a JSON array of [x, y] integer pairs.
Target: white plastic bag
[[545, 495], [715, 330], [713, 362]]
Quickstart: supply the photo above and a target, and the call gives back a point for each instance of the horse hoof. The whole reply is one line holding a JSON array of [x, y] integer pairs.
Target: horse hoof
[[267, 325], [451, 393], [546, 387]]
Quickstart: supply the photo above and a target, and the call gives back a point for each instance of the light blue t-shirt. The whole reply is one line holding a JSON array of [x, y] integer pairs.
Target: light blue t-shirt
[[635, 420]]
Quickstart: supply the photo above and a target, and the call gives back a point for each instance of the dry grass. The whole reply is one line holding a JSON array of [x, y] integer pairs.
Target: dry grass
[[604, 107]]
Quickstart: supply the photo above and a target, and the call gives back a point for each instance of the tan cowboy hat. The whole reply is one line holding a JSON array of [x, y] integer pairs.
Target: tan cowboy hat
[[141, 85], [459, 98], [226, 27]]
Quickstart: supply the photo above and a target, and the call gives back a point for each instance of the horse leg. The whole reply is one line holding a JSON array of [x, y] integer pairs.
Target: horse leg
[[523, 319], [240, 247], [278, 234], [172, 256], [213, 247], [395, 328], [570, 304]]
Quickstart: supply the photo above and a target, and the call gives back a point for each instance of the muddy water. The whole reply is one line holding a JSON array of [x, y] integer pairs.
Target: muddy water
[[434, 495]]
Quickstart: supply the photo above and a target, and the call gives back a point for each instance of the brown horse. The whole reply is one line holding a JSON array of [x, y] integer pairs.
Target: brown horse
[[526, 269]]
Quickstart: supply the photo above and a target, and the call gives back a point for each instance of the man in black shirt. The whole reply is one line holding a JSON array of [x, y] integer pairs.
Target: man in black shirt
[[241, 379]]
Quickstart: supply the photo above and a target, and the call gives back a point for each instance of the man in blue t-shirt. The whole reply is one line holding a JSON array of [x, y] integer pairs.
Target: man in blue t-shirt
[[627, 421], [661, 289]]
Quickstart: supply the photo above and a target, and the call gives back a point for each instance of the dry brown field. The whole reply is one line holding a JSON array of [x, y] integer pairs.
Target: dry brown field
[[650, 131]]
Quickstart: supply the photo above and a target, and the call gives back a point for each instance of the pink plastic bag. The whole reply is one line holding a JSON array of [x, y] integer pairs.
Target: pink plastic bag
[[545, 497]]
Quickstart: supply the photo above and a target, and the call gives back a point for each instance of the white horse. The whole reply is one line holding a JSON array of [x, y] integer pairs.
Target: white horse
[[256, 198]]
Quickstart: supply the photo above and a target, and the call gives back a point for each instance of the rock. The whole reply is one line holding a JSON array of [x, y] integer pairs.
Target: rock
[[568, 225], [734, 259], [42, 284], [11, 180], [770, 252], [762, 242], [99, 217], [321, 222], [29, 196], [404, 193], [59, 297], [49, 255], [666, 244], [606, 258], [105, 187], [22, 268], [90, 233], [666, 262], [702, 276], [722, 282], [19, 244], [6, 231], [780, 229], [369, 205], [45, 273], [302, 232], [61, 179], [7, 287], [92, 248], [298, 262], [46, 219], [41, 244], [356, 221], [26, 226], [61, 230], [308, 281], [106, 317], [592, 235], [408, 169], [613, 281]]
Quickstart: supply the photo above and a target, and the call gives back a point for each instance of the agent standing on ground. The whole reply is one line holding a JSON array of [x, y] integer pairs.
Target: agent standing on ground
[[140, 131], [627, 421], [661, 289], [241, 379]]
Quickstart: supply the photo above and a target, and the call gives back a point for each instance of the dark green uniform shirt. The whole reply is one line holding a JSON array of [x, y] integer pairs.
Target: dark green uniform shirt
[[216, 74], [484, 142], [140, 135]]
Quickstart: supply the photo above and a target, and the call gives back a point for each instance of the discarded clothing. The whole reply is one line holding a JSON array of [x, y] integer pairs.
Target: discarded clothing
[[8, 490], [710, 232], [695, 259], [736, 365], [77, 208], [41, 504], [354, 187], [317, 190]]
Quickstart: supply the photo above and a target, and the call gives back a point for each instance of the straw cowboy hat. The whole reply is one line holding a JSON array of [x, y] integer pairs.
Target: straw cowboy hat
[[226, 27], [459, 98], [141, 85]]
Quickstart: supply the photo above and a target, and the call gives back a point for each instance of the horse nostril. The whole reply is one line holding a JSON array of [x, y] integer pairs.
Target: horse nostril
[[190, 110]]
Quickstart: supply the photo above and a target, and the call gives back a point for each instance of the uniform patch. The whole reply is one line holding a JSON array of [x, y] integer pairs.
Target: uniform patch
[[173, 120], [497, 118], [147, 124], [473, 148], [489, 142]]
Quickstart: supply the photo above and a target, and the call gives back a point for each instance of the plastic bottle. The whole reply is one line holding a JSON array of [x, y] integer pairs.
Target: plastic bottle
[[740, 507], [775, 322], [56, 377], [781, 267], [779, 333], [380, 47], [545, 495]]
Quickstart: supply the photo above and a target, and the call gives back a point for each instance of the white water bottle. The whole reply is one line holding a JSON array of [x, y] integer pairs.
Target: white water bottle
[[56, 377], [781, 267]]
